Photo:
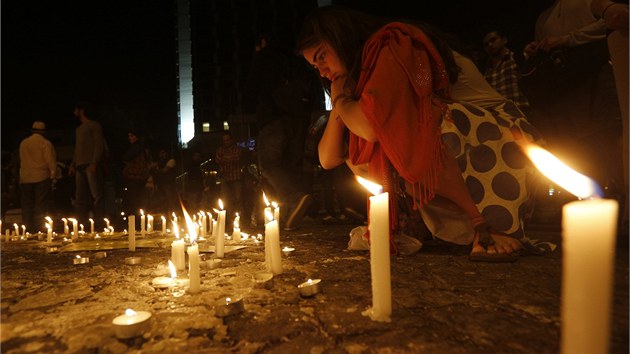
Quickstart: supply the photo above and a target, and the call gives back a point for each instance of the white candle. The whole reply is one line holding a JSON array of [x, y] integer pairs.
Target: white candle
[[267, 210], [81, 229], [193, 256], [163, 225], [75, 228], [220, 236], [276, 211], [177, 254], [91, 225], [175, 225], [48, 233], [65, 226], [17, 229], [107, 226], [131, 324], [210, 222], [132, 232], [193, 268], [142, 223], [50, 222], [149, 223], [588, 238], [272, 245], [378, 227], [236, 233], [7, 235]]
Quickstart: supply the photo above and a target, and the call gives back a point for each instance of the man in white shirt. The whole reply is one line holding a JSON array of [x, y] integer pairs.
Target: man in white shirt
[[38, 167]]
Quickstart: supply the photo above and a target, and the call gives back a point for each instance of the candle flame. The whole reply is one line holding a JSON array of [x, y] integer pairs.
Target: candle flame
[[91, 220], [265, 199], [192, 231], [372, 187], [554, 169], [48, 219], [78, 256], [171, 266], [220, 204], [310, 281], [141, 212], [228, 300], [130, 312]]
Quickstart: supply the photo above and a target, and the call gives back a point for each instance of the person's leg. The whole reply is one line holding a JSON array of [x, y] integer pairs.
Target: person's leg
[[451, 185], [96, 187], [82, 194], [41, 193], [27, 203]]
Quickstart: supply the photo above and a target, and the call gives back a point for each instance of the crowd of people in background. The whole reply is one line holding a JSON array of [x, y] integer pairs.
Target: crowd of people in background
[[562, 83]]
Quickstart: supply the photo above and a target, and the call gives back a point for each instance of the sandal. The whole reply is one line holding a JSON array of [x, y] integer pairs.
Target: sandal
[[482, 234]]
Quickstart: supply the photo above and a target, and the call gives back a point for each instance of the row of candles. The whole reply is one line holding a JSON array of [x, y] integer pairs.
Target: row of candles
[[588, 233]]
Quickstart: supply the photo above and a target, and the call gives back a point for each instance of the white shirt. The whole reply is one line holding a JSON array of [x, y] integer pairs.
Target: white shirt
[[38, 159]]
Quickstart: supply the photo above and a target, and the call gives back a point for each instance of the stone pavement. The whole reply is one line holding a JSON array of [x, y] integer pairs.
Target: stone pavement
[[442, 303]]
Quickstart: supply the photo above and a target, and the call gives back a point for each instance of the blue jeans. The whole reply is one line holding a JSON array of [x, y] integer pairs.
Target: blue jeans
[[89, 194], [35, 200]]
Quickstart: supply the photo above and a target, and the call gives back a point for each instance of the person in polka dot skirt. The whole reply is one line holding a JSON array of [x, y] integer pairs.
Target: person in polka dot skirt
[[395, 121]]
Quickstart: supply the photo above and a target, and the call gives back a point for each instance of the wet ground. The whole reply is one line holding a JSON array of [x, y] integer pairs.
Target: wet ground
[[442, 302]]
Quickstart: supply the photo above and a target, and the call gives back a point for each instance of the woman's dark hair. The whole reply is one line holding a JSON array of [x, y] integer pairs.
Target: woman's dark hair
[[346, 30]]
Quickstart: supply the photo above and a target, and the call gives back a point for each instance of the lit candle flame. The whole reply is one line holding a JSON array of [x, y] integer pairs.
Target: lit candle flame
[[554, 169], [192, 231], [78, 256], [310, 281], [265, 199], [370, 186], [220, 204], [130, 312], [48, 219], [141, 212], [228, 300], [171, 266]]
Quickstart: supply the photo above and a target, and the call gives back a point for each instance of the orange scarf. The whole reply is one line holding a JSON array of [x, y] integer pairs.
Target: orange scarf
[[402, 76]]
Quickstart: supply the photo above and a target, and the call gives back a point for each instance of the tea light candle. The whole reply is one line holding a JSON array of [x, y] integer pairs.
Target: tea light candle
[[214, 263], [309, 287], [287, 250], [52, 249], [80, 260], [131, 324], [133, 260], [228, 306], [263, 280]]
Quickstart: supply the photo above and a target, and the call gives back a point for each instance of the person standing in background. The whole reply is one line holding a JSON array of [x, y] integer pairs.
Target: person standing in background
[[87, 166], [229, 157], [38, 168], [502, 71], [615, 15], [135, 174]]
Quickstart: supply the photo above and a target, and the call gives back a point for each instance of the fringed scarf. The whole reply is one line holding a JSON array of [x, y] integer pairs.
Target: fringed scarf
[[397, 97]]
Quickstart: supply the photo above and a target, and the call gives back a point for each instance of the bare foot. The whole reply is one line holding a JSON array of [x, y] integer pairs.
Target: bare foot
[[502, 245]]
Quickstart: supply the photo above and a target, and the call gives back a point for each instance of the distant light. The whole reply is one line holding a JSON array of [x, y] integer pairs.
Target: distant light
[[205, 127], [226, 126]]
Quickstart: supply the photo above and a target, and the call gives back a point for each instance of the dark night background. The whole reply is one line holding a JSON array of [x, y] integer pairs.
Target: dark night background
[[121, 56]]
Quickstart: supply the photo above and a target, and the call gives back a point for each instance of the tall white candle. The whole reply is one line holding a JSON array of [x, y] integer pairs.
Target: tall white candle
[[272, 246], [75, 228], [163, 225], [588, 242], [210, 222], [65, 226], [48, 233], [107, 225], [17, 229], [378, 226], [132, 232], [50, 222], [177, 253], [193, 255], [143, 221], [91, 225], [193, 268], [149, 223], [220, 236]]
